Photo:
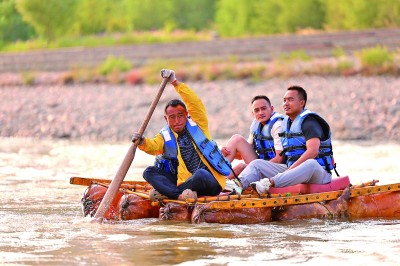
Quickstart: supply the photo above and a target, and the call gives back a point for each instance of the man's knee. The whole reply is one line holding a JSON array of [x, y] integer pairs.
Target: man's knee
[[149, 172], [201, 175], [259, 163], [236, 138], [311, 164]]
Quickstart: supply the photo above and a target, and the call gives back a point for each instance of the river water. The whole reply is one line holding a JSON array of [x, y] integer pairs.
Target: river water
[[41, 221]]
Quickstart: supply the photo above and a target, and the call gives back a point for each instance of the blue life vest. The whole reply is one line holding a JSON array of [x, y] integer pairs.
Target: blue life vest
[[208, 148], [263, 142], [294, 142]]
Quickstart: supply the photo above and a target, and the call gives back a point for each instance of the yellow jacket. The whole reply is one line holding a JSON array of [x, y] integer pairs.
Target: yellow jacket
[[197, 112]]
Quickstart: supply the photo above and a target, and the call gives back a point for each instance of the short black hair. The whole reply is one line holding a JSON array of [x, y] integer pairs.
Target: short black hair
[[174, 103], [259, 97], [302, 93]]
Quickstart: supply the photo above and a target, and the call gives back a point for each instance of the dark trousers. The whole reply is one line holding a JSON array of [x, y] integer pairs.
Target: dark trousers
[[202, 181]]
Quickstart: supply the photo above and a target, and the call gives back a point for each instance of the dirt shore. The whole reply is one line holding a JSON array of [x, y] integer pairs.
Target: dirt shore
[[357, 108]]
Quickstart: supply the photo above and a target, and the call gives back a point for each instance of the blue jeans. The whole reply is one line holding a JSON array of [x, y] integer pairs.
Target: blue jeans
[[202, 181]]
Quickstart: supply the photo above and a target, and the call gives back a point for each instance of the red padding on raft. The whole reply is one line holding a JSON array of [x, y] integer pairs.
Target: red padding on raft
[[338, 183], [296, 189]]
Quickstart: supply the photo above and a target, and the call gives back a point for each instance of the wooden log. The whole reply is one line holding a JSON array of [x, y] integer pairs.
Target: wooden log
[[321, 210], [173, 211], [92, 198], [382, 205], [132, 207], [202, 213]]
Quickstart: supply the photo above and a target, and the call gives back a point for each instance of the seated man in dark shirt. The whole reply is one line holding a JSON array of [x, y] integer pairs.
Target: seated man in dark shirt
[[306, 140]]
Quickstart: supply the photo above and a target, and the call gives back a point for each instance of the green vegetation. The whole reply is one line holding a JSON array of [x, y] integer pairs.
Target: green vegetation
[[12, 27], [108, 40], [377, 60], [50, 18], [338, 52], [114, 64], [38, 24], [28, 78], [376, 56], [295, 55], [345, 65]]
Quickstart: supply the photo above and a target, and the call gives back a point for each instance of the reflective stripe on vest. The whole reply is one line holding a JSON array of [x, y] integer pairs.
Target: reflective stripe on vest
[[168, 161], [263, 142], [170, 147], [294, 142]]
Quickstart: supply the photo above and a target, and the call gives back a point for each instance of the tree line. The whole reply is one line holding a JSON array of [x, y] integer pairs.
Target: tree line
[[22, 20]]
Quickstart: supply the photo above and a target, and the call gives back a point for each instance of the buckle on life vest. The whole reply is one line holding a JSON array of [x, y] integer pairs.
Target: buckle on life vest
[[221, 161], [204, 143], [214, 150]]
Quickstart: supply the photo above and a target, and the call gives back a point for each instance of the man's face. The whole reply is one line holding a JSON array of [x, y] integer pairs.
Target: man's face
[[292, 104], [262, 110], [176, 118]]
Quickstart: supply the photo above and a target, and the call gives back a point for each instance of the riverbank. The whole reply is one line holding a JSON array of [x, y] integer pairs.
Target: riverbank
[[357, 107]]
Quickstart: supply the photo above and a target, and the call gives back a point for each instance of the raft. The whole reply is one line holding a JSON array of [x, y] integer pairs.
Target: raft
[[338, 199]]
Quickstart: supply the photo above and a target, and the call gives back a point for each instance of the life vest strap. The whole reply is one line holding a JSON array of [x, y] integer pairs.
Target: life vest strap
[[290, 134], [324, 154], [325, 147], [261, 137], [265, 150], [294, 148]]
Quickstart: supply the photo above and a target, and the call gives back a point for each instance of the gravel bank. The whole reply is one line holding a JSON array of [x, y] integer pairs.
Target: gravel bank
[[358, 108]]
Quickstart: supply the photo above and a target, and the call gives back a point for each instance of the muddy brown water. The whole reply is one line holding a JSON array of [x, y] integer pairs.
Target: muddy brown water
[[41, 221]]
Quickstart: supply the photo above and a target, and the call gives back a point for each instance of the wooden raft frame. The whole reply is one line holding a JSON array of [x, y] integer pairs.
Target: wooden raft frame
[[245, 200], [301, 199]]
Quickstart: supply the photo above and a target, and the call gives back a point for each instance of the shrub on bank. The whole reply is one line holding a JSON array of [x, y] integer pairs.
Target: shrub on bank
[[377, 60], [28, 78], [114, 64], [295, 55], [84, 75], [375, 57]]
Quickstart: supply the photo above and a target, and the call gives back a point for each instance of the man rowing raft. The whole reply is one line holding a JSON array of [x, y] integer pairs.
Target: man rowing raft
[[188, 162]]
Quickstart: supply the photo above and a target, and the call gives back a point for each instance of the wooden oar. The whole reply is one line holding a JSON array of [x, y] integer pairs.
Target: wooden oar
[[126, 163], [87, 181]]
